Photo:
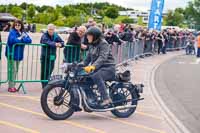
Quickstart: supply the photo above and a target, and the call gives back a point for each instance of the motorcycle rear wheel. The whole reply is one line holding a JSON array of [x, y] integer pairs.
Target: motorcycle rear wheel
[[124, 94]]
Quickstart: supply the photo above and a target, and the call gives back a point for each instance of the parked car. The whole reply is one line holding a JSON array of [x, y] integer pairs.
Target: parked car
[[60, 30]]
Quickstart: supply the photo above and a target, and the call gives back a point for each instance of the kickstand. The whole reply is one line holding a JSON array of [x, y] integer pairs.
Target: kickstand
[[23, 88]]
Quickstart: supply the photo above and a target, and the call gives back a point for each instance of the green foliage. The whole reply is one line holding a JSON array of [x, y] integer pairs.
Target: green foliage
[[123, 19], [24, 5], [108, 21], [40, 26], [112, 12], [192, 12], [128, 21], [59, 22], [31, 12], [17, 12], [67, 15], [174, 18], [73, 21], [140, 21], [70, 11], [185, 17], [164, 22], [2, 8]]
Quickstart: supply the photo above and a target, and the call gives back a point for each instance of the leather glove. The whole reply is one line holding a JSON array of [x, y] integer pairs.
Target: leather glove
[[89, 69]]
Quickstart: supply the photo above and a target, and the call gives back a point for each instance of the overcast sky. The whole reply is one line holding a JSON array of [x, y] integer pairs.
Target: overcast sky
[[135, 4]]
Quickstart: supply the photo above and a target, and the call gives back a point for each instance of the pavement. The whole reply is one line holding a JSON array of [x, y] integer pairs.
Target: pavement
[[177, 82], [22, 112]]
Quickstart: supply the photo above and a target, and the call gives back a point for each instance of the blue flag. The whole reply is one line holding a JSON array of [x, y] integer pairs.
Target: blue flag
[[155, 17]]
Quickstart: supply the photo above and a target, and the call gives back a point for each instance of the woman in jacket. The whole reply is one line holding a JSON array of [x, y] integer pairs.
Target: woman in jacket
[[16, 35]]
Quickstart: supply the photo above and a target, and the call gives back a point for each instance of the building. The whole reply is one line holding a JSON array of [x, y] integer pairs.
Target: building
[[135, 14]]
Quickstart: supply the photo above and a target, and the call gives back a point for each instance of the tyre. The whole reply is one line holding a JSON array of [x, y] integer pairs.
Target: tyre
[[124, 94], [54, 100]]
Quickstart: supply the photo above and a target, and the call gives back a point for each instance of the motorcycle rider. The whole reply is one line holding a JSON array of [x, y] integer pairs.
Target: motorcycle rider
[[100, 60]]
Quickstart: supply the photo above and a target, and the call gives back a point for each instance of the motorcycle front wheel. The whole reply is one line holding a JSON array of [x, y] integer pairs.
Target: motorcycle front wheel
[[55, 101]]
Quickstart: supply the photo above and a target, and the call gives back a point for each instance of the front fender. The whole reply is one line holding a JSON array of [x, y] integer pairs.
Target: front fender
[[55, 82]]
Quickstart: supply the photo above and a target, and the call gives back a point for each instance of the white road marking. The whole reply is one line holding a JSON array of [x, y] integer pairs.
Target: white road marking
[[181, 62], [197, 61]]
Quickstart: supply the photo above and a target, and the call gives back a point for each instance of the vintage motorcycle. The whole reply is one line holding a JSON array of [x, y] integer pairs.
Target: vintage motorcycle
[[75, 91]]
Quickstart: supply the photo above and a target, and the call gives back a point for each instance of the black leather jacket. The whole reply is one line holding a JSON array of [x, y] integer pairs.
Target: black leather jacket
[[99, 55]]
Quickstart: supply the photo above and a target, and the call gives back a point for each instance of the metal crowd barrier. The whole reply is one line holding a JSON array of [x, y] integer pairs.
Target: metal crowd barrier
[[3, 64], [29, 69]]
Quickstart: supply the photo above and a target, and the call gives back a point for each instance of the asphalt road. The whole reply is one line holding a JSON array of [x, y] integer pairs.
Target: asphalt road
[[177, 82]]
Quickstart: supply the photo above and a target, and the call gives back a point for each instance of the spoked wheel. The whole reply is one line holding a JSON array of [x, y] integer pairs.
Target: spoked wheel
[[126, 96], [55, 102]]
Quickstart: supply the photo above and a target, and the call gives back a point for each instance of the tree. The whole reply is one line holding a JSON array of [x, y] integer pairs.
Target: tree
[[108, 21], [192, 12], [128, 21], [140, 21], [111, 12], [24, 5], [43, 8], [17, 12], [73, 21], [2, 9], [31, 12], [174, 18], [68, 11]]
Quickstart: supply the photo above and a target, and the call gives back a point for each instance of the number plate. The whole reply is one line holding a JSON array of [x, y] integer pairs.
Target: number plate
[[56, 77]]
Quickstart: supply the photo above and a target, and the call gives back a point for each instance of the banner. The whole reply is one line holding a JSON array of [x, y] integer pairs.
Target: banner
[[155, 17]]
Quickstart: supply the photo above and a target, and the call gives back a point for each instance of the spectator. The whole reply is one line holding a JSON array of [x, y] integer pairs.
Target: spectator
[[165, 42], [90, 23], [29, 27], [0, 49], [73, 53], [26, 27], [33, 28], [171, 38], [148, 42], [0, 57], [190, 44], [198, 45], [127, 35], [160, 40], [7, 27], [48, 53], [112, 38], [16, 35]]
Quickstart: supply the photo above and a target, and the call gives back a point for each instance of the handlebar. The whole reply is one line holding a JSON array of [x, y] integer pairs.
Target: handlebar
[[78, 68]]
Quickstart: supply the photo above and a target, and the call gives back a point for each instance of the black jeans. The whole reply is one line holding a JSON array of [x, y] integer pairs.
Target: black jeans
[[47, 67], [164, 49], [102, 75], [160, 45]]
